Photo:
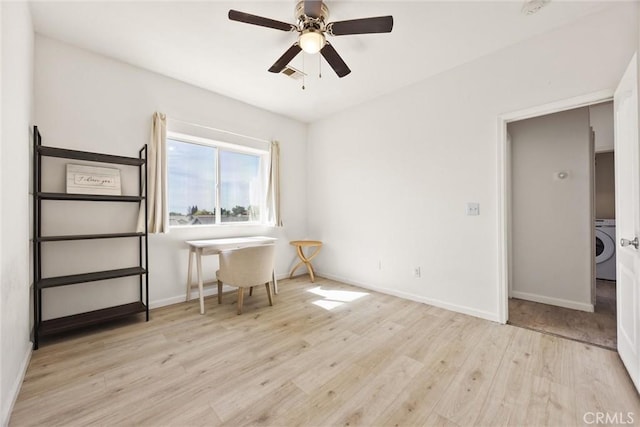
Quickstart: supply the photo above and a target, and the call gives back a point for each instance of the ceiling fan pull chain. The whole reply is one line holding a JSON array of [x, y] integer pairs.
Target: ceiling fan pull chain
[[319, 67]]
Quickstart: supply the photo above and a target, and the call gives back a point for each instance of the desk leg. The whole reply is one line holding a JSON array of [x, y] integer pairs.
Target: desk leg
[[200, 285], [275, 282], [188, 297]]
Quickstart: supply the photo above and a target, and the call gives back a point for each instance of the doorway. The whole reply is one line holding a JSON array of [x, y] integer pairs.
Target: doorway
[[549, 228]]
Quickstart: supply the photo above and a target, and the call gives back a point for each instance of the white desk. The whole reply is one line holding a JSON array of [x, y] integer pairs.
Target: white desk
[[213, 247]]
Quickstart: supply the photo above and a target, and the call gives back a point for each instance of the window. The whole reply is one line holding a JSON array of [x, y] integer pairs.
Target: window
[[212, 182]]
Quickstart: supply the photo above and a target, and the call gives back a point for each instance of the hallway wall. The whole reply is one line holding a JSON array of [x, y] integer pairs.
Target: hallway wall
[[605, 186], [551, 216]]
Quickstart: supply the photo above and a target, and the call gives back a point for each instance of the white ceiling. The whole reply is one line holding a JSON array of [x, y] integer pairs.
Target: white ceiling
[[195, 42]]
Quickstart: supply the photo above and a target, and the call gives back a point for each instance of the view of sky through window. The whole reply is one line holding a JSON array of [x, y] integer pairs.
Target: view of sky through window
[[238, 178], [192, 176], [192, 184]]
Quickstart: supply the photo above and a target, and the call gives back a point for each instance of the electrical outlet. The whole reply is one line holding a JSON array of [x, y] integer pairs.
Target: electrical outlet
[[379, 265], [416, 272]]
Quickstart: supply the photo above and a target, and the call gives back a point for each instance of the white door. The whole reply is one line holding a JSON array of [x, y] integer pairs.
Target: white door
[[627, 165]]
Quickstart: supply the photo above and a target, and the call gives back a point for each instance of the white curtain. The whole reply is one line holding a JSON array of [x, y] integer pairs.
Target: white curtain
[[156, 179], [273, 192]]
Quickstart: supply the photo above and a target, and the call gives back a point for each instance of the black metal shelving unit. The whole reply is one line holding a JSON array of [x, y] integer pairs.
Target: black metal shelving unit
[[67, 323]]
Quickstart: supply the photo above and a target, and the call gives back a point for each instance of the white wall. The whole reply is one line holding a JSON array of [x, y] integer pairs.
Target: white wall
[[601, 117], [89, 102], [551, 217], [17, 94], [388, 180]]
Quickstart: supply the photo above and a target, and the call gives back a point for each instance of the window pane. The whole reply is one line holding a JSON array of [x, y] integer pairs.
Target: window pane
[[191, 183], [240, 189]]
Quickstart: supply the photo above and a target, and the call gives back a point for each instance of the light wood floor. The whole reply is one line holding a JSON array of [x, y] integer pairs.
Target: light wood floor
[[374, 360], [599, 328]]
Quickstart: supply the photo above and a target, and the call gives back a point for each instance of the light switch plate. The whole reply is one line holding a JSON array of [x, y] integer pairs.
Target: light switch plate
[[473, 208]]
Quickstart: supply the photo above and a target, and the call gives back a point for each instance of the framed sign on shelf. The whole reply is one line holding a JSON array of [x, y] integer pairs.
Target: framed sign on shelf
[[83, 179]]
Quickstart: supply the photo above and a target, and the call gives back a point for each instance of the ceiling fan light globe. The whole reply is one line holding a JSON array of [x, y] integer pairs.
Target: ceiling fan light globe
[[312, 41]]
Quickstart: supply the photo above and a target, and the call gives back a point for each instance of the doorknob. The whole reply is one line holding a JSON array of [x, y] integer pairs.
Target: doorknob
[[625, 242]]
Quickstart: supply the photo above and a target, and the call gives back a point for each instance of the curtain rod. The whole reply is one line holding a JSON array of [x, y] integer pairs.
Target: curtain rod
[[218, 130]]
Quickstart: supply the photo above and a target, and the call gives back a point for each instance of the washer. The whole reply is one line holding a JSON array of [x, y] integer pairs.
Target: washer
[[606, 249]]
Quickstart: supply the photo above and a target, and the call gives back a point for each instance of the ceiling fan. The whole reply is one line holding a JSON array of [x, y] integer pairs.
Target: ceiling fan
[[312, 26]]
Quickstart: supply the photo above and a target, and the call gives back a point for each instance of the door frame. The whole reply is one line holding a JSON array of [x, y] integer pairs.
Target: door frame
[[504, 184]]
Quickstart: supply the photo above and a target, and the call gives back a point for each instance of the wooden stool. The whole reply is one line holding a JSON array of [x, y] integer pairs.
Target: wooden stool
[[304, 260]]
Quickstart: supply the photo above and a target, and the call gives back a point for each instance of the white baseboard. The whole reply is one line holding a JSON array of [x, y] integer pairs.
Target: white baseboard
[[553, 301], [210, 288], [282, 276], [418, 298], [208, 291], [17, 384]]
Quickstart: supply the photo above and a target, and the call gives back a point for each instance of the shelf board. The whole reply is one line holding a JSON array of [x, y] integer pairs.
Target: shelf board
[[88, 197], [92, 157], [87, 237], [62, 324], [51, 282]]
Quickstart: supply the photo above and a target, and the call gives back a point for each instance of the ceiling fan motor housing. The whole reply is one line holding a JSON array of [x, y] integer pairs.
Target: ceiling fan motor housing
[[303, 18]]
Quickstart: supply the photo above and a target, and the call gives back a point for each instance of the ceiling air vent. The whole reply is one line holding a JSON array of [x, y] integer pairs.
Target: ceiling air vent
[[533, 6], [293, 73]]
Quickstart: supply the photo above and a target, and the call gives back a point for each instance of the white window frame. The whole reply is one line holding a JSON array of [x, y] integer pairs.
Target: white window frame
[[228, 147]]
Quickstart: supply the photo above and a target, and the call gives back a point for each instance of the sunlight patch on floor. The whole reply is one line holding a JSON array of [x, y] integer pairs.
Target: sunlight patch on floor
[[334, 298]]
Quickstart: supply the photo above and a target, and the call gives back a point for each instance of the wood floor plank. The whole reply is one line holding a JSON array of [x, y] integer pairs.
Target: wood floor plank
[[438, 420], [325, 353], [597, 372], [61, 406], [550, 403], [443, 355], [323, 364], [365, 406], [272, 411], [469, 388], [146, 396], [329, 398]]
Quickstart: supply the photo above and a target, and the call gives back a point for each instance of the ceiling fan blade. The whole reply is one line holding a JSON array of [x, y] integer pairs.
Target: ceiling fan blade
[[284, 60], [313, 8], [247, 18], [332, 57], [380, 24]]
